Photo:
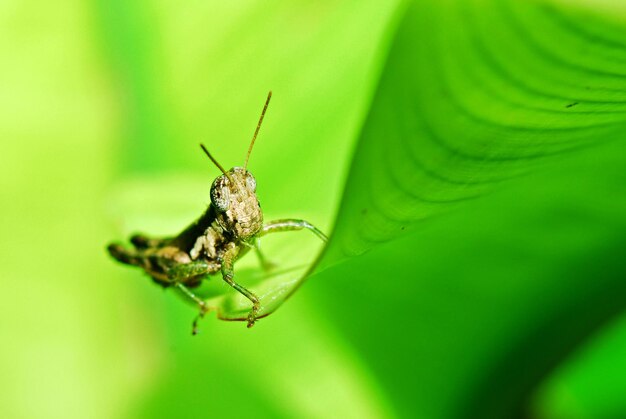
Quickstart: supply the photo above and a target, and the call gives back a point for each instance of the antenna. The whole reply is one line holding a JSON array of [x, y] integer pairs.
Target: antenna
[[256, 132], [219, 166]]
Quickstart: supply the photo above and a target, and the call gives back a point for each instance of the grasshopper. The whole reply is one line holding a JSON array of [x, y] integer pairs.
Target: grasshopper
[[228, 229]]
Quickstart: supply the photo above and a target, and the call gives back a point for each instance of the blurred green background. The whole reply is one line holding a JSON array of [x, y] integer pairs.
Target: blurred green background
[[468, 157]]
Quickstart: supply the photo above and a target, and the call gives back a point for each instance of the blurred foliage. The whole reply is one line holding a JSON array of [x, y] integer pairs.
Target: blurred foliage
[[474, 148]]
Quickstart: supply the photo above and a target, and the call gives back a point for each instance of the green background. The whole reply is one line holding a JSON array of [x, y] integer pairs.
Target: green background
[[467, 157]]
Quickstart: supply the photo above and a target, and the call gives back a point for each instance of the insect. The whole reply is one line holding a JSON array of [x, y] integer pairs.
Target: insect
[[228, 229]]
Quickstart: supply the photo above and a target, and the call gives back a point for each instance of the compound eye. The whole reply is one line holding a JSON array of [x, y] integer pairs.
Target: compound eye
[[251, 182], [220, 195]]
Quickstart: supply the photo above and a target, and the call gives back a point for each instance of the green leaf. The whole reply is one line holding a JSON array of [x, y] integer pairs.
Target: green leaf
[[470, 98], [496, 146], [464, 317]]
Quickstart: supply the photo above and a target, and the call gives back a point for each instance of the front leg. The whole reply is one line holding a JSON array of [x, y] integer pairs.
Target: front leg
[[228, 274], [291, 225]]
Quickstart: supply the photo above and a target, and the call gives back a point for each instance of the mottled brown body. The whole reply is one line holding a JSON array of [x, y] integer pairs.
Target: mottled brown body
[[213, 236]]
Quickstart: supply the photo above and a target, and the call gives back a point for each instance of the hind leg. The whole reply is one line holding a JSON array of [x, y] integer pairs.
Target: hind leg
[[122, 254], [143, 242]]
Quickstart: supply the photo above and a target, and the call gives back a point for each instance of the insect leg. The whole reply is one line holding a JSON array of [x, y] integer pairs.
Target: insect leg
[[183, 271], [144, 242], [179, 273], [124, 255], [265, 263], [291, 225], [228, 275]]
